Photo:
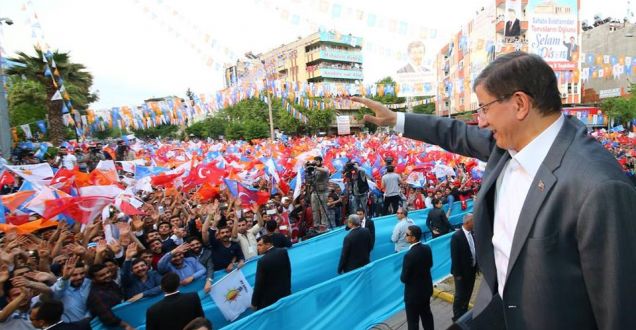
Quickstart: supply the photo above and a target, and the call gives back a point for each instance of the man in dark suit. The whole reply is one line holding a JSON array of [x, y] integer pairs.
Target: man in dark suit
[[463, 266], [554, 222], [273, 274], [418, 284], [47, 314], [437, 221], [356, 246], [366, 223], [176, 310], [513, 27]]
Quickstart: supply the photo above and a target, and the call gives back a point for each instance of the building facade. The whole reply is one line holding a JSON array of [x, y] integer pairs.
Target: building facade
[[549, 28], [322, 57], [608, 62]]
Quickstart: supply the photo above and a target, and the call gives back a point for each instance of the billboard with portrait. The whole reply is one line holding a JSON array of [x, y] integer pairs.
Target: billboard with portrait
[[553, 32], [417, 76], [513, 16]]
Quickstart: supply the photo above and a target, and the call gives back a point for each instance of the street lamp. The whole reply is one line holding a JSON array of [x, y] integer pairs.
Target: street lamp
[[5, 129], [269, 104]]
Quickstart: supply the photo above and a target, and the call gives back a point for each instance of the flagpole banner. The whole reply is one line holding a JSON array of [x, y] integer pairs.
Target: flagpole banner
[[344, 125], [232, 294]]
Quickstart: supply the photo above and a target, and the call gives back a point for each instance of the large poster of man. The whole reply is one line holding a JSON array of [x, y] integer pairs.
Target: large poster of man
[[416, 78], [512, 29], [553, 32]]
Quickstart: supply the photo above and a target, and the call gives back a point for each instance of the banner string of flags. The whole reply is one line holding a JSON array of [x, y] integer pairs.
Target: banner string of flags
[[604, 66]]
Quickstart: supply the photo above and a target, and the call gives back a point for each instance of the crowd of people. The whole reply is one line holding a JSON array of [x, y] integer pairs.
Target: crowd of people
[[67, 272]]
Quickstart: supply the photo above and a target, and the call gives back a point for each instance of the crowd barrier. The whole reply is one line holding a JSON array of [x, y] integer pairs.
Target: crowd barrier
[[317, 289]]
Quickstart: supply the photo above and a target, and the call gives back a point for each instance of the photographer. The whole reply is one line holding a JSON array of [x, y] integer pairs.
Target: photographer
[[317, 181], [94, 157], [357, 186]]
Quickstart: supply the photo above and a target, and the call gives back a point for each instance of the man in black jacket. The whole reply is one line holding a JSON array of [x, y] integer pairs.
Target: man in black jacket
[[47, 314], [463, 266], [356, 246], [437, 221], [273, 274], [176, 310], [366, 223], [418, 284]]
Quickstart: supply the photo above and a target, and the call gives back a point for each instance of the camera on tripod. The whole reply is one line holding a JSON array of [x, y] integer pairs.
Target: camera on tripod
[[310, 167]]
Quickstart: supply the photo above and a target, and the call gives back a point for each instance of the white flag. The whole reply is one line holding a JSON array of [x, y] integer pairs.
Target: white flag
[[56, 96], [233, 295], [27, 131], [38, 173]]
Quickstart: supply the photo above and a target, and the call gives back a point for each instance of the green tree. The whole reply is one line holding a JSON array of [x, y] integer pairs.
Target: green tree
[[77, 82], [159, 131], [427, 109], [623, 110], [27, 101], [210, 127]]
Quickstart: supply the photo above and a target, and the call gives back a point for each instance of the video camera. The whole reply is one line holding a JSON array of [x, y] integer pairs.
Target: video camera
[[310, 167]]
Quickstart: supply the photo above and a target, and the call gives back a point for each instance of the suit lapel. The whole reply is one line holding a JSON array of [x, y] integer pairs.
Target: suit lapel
[[540, 188]]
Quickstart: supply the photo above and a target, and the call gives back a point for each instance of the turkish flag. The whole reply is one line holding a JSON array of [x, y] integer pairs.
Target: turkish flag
[[205, 173], [62, 176], [82, 209], [207, 192], [17, 220], [6, 179], [165, 179], [99, 178], [248, 196]]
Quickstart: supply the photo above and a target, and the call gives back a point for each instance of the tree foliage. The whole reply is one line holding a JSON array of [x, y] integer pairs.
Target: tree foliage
[[170, 131], [621, 109], [76, 80]]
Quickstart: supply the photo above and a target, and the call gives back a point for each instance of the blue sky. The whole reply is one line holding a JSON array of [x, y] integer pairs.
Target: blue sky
[[137, 49]]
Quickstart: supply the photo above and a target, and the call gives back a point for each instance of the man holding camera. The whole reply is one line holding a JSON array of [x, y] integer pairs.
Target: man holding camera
[[358, 186], [317, 182]]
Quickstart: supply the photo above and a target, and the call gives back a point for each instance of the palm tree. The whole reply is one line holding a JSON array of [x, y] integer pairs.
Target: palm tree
[[77, 82]]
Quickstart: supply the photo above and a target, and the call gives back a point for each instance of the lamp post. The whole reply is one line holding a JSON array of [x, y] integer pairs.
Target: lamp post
[[269, 104], [5, 129]]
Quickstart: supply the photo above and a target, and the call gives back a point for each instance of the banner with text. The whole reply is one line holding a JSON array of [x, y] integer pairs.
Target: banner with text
[[553, 32]]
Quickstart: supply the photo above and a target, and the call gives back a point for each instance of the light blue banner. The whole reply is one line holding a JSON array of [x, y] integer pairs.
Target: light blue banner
[[314, 271]]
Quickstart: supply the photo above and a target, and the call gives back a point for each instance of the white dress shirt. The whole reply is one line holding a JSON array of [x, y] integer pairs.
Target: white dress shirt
[[513, 185], [471, 243]]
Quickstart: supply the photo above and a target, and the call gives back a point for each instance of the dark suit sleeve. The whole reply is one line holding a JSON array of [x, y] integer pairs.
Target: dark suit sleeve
[[606, 235], [287, 241], [428, 222], [344, 255], [259, 281], [372, 231], [450, 134], [287, 265], [198, 307], [151, 322], [406, 268], [445, 220]]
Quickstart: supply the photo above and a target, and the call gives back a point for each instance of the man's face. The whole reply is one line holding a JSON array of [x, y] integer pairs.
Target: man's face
[[77, 277], [38, 324], [400, 214], [262, 247], [113, 267], [179, 232], [102, 276], [177, 259], [153, 235], [468, 223], [360, 214], [512, 16], [195, 246], [224, 235], [164, 229], [147, 257], [242, 227], [175, 222], [416, 54], [409, 237], [155, 247], [500, 118], [140, 269]]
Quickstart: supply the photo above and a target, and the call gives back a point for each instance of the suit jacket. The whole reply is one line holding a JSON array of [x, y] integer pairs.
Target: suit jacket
[[513, 29], [438, 220], [368, 224], [356, 248], [273, 278], [571, 263], [416, 274], [461, 258], [174, 312]]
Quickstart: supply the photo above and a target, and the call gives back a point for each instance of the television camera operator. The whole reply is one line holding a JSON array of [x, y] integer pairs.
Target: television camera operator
[[357, 185], [317, 178]]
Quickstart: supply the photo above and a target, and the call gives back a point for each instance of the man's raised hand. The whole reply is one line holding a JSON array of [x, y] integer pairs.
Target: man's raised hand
[[383, 116]]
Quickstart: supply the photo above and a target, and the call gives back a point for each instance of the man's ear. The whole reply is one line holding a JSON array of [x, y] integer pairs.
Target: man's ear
[[523, 102]]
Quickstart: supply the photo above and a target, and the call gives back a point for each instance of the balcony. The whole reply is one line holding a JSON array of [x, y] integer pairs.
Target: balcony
[[334, 55], [335, 73], [339, 38]]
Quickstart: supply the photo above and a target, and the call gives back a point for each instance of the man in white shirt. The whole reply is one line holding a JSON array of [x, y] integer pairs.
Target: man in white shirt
[[399, 231], [67, 159], [247, 237], [554, 230]]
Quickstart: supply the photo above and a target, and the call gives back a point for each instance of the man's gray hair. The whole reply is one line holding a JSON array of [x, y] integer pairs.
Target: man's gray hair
[[354, 219], [468, 216]]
